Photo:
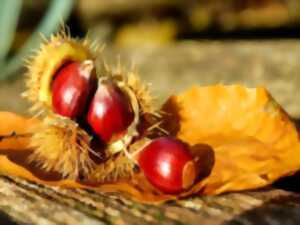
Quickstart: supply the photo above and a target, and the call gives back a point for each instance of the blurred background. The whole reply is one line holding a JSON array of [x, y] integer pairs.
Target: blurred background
[[173, 43]]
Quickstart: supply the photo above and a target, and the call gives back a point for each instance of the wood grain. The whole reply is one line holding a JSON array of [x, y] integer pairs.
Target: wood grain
[[23, 202]]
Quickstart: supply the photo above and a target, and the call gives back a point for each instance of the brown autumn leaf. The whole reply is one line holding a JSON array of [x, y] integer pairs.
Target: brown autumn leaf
[[253, 139], [242, 138]]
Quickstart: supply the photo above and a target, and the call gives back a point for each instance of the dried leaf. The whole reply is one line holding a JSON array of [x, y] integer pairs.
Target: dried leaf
[[253, 139], [241, 137]]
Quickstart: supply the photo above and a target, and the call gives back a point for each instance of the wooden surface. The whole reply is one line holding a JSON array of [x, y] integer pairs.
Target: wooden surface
[[171, 69], [23, 202]]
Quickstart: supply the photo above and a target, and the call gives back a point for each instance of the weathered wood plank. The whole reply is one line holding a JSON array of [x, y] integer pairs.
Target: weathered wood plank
[[29, 203], [173, 68]]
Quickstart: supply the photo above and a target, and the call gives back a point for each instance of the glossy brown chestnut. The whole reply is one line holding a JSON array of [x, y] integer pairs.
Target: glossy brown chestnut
[[110, 112], [168, 165], [71, 88]]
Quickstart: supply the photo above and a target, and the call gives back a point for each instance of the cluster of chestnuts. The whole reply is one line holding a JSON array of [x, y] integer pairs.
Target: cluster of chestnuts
[[106, 110], [106, 107]]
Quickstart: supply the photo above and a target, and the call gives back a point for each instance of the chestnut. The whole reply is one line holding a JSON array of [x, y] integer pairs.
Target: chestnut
[[110, 112], [168, 165], [71, 88]]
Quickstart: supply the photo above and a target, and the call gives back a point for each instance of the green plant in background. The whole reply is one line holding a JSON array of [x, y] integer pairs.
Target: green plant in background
[[57, 12]]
